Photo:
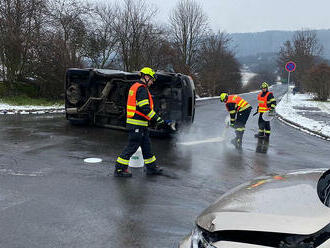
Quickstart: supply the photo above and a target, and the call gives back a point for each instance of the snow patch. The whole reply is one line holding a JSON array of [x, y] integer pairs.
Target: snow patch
[[293, 108], [30, 109]]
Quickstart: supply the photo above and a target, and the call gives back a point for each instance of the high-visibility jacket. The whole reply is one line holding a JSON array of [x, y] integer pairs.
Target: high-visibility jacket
[[134, 116], [240, 103], [236, 104], [266, 101]]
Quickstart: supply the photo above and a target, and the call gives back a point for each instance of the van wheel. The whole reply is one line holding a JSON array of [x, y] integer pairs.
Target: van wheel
[[73, 94]]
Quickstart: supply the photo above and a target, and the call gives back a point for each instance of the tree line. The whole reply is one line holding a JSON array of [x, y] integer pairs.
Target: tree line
[[312, 72], [41, 39]]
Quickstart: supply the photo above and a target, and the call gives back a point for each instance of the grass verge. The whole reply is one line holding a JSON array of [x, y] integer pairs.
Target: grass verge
[[24, 101]]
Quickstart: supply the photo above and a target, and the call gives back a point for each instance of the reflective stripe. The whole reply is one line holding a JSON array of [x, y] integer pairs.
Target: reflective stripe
[[242, 103], [232, 119], [262, 110], [232, 112], [240, 129], [137, 122], [273, 105], [267, 131], [244, 108], [261, 130], [260, 101], [143, 102], [150, 160], [151, 114], [130, 113], [271, 100], [122, 161]]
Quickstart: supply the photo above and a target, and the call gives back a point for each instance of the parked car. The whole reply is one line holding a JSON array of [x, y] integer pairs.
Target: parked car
[[99, 97], [286, 211]]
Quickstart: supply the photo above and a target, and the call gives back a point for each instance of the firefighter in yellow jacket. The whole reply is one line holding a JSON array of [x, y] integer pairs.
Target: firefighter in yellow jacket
[[239, 111], [140, 110]]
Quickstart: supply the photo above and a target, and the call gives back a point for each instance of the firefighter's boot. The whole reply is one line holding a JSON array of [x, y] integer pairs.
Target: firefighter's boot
[[154, 170], [234, 141], [239, 137], [122, 172]]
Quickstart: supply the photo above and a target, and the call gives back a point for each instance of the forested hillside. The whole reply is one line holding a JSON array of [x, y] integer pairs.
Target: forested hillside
[[246, 44]]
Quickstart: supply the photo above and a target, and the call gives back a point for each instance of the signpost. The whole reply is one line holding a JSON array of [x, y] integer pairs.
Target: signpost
[[289, 67]]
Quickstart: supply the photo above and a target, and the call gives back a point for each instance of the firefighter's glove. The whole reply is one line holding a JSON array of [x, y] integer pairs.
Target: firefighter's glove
[[272, 112], [160, 123]]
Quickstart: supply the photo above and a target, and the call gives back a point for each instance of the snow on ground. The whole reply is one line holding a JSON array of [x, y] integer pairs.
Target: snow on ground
[[246, 76], [13, 109], [302, 111]]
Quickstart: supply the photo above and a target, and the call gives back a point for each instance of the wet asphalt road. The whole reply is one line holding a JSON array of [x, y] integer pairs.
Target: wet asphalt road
[[50, 198]]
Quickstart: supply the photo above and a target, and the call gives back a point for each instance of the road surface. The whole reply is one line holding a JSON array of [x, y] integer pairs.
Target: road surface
[[50, 198]]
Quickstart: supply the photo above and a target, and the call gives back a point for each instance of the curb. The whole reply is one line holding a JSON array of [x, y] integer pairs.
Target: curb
[[205, 100], [300, 127], [202, 100]]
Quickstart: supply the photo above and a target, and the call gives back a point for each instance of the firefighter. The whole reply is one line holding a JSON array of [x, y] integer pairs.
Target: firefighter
[[266, 102], [140, 110], [239, 111]]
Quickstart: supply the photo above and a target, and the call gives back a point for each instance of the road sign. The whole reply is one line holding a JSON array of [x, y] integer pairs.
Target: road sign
[[290, 66]]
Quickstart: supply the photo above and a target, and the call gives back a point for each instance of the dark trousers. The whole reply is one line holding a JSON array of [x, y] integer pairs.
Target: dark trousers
[[137, 137], [264, 126], [240, 122]]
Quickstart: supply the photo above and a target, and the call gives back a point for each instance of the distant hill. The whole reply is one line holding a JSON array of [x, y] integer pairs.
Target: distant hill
[[247, 44]]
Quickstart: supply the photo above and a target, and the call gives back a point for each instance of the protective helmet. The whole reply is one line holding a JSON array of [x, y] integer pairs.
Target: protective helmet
[[223, 97], [148, 71], [264, 85]]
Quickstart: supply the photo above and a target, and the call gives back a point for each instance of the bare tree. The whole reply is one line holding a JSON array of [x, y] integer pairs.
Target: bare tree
[[303, 50], [20, 27], [67, 20], [318, 81], [101, 41], [134, 28], [61, 44], [218, 69], [189, 25]]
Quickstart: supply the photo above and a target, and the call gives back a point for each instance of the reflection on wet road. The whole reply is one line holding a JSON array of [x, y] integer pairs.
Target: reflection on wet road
[[50, 198]]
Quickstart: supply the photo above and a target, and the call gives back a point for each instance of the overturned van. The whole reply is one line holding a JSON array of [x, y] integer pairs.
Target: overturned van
[[98, 97]]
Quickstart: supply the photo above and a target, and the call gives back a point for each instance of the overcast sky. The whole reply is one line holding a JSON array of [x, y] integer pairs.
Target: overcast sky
[[240, 16]]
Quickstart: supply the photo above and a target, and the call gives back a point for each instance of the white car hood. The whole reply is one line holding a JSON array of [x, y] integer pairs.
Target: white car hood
[[285, 204]]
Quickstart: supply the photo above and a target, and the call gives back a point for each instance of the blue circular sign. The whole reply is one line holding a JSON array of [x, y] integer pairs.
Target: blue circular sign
[[290, 66]]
